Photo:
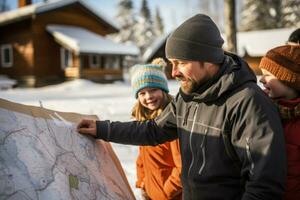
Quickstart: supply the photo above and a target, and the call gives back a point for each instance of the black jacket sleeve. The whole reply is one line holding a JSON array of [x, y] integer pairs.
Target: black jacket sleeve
[[150, 132]]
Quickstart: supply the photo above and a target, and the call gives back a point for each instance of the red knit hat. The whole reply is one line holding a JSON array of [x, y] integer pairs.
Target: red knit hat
[[284, 63]]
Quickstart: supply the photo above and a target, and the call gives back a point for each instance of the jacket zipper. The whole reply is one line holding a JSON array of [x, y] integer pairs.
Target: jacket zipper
[[249, 156], [186, 116], [191, 135]]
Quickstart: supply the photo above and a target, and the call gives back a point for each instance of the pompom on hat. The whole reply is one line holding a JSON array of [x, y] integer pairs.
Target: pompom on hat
[[149, 75], [284, 63]]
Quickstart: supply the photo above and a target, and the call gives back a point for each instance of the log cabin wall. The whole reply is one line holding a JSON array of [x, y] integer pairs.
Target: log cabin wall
[[85, 64], [19, 35], [22, 3]]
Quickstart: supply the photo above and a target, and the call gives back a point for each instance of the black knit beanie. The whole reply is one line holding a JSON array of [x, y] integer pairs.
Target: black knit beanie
[[196, 39]]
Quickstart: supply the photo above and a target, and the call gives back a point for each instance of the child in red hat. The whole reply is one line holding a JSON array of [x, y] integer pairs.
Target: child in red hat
[[281, 79]]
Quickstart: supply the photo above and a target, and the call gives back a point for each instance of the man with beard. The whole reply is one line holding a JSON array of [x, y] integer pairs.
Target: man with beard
[[230, 133]]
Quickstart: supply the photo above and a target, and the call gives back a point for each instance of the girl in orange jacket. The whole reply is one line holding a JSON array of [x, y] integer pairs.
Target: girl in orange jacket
[[158, 167]]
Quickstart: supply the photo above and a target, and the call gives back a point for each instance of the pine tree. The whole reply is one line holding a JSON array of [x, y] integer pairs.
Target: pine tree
[[126, 20], [291, 13], [158, 23], [260, 14], [145, 11], [275, 10], [144, 31], [210, 8]]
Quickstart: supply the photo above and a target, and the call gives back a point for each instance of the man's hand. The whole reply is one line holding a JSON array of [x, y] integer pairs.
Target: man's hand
[[87, 127]]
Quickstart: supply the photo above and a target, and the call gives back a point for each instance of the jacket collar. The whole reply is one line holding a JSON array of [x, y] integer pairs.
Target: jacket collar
[[233, 73]]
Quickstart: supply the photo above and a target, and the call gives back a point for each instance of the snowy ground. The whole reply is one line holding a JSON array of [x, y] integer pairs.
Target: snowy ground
[[107, 101], [6, 83]]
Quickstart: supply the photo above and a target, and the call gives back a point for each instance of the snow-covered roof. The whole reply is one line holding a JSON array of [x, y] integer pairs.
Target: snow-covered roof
[[257, 43], [30, 10], [82, 40], [254, 43]]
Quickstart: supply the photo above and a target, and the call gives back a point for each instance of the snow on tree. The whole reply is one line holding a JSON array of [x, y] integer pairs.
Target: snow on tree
[[145, 11], [211, 8], [144, 31], [260, 14], [126, 21], [275, 11], [158, 23], [269, 14], [291, 13]]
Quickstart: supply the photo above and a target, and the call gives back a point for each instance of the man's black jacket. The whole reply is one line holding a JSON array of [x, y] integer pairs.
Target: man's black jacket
[[228, 111]]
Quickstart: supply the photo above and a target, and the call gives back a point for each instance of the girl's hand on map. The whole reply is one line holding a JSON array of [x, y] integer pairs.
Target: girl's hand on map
[[87, 127]]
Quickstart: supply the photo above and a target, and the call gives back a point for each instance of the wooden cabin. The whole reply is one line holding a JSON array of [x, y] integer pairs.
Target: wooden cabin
[[50, 42], [252, 46]]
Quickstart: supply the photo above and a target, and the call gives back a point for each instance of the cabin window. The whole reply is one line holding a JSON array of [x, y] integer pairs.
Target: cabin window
[[6, 55], [116, 63], [112, 62], [66, 58], [94, 61]]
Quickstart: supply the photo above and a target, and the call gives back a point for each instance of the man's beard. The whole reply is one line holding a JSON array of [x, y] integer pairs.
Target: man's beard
[[189, 86]]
